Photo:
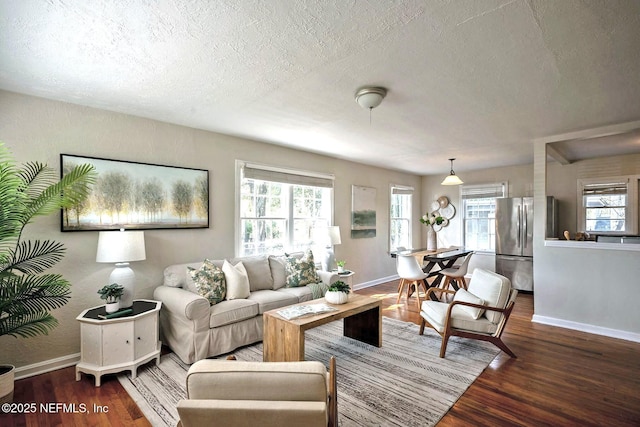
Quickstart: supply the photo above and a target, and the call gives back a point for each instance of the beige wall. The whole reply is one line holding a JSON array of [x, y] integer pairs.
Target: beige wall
[[562, 182], [39, 129], [582, 287], [520, 180]]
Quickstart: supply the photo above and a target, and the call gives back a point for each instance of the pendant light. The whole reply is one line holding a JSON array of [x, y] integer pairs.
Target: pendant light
[[452, 178]]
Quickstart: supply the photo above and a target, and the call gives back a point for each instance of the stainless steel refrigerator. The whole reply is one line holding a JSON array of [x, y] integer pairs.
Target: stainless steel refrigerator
[[514, 241]]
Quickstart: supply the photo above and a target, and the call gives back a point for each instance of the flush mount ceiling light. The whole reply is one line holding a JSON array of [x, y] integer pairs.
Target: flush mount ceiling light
[[452, 179], [370, 97]]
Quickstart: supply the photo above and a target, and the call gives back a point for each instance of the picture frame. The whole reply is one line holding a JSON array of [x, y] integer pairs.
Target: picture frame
[[363, 212], [134, 195]]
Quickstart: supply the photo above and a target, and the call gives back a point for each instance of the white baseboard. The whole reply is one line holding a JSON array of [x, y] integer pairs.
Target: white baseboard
[[584, 327], [375, 282], [47, 366]]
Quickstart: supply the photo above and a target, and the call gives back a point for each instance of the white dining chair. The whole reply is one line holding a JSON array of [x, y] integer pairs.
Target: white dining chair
[[411, 274], [456, 274]]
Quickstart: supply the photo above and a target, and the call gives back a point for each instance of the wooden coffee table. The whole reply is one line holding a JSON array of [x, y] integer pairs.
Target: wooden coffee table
[[283, 339]]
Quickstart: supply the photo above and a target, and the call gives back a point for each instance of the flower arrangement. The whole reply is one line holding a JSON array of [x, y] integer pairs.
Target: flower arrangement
[[433, 219]]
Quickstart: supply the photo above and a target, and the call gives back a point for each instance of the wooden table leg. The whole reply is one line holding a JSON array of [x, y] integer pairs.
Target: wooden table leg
[[365, 327], [282, 341]]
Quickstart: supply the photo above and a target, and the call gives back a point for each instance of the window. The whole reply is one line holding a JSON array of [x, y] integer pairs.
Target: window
[[279, 208], [479, 214], [608, 205], [400, 217]]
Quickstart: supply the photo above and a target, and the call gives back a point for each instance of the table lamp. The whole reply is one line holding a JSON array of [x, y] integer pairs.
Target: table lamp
[[328, 236], [122, 247]]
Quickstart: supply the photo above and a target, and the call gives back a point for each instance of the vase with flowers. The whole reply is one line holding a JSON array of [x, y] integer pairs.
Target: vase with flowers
[[431, 221]]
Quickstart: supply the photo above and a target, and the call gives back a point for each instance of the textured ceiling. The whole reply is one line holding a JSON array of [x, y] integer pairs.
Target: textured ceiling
[[476, 80]]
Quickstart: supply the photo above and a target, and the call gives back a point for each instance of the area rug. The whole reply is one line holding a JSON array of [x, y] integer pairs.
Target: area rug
[[403, 383]]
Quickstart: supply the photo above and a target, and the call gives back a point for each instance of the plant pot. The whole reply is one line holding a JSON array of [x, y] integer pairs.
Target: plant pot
[[336, 297], [7, 375], [112, 307], [340, 269]]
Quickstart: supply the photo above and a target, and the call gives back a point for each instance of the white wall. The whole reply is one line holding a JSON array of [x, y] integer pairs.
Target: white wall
[[583, 288], [39, 129], [520, 180]]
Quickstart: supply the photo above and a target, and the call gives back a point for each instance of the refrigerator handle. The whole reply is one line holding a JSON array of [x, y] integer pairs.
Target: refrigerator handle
[[519, 225], [524, 235]]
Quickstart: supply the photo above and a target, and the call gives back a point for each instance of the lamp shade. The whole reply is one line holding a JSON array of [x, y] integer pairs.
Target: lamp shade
[[452, 180], [120, 246]]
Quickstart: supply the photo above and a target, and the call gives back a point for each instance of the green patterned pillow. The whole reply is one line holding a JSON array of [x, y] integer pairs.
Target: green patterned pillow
[[209, 281], [301, 271]]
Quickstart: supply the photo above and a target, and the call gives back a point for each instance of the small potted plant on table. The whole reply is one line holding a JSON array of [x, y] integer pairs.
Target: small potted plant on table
[[341, 265], [111, 294], [338, 293]]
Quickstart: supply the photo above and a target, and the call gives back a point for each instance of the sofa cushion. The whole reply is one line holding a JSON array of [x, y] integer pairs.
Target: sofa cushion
[[176, 276], [493, 288], [237, 280], [233, 311], [466, 296], [435, 312], [209, 282], [258, 271], [301, 271], [269, 300], [302, 293], [278, 271]]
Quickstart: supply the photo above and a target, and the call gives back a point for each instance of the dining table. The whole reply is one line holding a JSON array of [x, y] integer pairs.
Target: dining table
[[435, 260]]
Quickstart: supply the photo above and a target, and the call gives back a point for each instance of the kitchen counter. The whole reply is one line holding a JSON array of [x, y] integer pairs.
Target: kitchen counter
[[575, 244]]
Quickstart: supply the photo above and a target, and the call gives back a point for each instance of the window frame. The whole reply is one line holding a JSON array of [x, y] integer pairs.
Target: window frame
[[631, 208], [406, 190], [483, 191], [283, 173]]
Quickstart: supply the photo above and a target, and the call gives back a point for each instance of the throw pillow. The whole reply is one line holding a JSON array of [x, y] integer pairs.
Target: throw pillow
[[301, 271], [210, 282], [466, 296], [237, 280]]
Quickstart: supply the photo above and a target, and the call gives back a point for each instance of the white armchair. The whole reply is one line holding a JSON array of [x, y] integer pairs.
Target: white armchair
[[480, 313]]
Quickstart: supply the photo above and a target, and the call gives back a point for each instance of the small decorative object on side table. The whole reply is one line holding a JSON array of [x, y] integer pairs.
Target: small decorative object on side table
[[346, 276], [118, 344]]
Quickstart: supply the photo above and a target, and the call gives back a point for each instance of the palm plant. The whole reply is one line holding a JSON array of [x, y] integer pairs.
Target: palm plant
[[26, 293]]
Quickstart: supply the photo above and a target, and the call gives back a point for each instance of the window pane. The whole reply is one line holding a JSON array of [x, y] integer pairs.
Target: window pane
[[605, 212], [400, 221], [479, 218], [278, 217]]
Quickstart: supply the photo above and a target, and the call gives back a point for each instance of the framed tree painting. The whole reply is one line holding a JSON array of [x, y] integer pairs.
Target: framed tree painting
[[363, 212], [140, 196]]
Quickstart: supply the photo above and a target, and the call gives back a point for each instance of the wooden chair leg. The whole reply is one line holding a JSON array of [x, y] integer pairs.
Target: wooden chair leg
[[400, 287], [443, 347], [422, 325], [417, 293]]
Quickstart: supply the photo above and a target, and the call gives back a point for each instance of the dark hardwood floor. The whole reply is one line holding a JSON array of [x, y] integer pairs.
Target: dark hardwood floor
[[560, 378]]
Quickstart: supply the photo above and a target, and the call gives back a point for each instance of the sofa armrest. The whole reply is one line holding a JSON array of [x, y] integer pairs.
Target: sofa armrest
[[328, 277], [183, 303]]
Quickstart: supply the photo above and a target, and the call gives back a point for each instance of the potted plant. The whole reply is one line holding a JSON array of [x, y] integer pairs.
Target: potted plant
[[341, 265], [26, 294], [111, 294], [338, 293]]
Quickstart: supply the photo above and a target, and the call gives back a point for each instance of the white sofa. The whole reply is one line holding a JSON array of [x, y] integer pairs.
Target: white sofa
[[195, 330]]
